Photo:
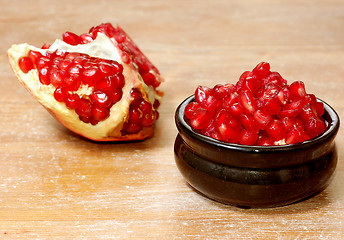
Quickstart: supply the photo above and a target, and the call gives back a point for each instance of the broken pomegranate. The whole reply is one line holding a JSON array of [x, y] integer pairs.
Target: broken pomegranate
[[260, 109], [97, 84]]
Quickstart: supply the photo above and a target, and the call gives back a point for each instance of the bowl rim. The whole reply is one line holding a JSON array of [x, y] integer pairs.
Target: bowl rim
[[331, 131]]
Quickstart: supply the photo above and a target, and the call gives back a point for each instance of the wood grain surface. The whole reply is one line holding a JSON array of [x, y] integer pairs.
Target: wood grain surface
[[56, 185]]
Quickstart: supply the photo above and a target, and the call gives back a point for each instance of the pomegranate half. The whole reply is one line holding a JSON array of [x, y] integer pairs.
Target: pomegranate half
[[97, 84]]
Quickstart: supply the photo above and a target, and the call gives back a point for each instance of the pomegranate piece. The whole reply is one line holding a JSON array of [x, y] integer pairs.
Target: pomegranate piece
[[260, 109], [98, 84]]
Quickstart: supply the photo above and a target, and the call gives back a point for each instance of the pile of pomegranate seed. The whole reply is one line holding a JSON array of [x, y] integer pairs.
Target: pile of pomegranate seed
[[91, 86], [141, 113], [260, 109], [130, 52], [68, 72]]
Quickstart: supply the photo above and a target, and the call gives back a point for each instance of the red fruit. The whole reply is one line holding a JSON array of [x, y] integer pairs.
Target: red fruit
[[71, 38], [228, 134], [223, 91], [248, 122], [297, 90], [247, 101], [96, 90], [25, 64], [271, 106], [190, 109], [294, 136], [262, 70], [261, 109], [314, 126], [60, 94], [276, 130], [200, 119], [100, 99], [262, 119], [72, 100], [248, 137], [202, 93]]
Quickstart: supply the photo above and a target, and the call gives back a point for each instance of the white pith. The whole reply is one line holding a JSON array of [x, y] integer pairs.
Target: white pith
[[101, 47]]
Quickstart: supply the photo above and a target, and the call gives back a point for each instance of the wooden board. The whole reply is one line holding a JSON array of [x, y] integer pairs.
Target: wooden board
[[56, 185]]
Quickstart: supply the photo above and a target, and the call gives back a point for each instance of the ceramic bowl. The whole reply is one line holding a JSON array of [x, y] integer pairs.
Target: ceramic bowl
[[256, 176]]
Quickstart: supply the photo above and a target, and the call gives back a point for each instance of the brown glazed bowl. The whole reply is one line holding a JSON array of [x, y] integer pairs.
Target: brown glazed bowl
[[256, 176]]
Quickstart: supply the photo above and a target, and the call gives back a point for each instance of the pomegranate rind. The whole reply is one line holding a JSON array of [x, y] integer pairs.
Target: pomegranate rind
[[107, 130]]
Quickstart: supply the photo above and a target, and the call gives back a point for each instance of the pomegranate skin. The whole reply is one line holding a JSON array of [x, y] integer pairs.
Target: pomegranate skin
[[110, 129]]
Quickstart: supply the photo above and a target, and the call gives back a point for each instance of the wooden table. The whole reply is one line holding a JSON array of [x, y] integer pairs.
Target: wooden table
[[56, 185]]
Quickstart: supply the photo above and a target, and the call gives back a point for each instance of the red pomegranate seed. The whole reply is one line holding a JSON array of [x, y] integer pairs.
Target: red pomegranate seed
[[116, 96], [42, 62], [90, 75], [25, 64], [59, 94], [56, 76], [248, 137], [146, 107], [100, 99], [307, 112], [64, 64], [264, 140], [314, 126], [84, 109], [310, 98], [71, 38], [72, 82], [106, 69], [190, 109], [319, 107], [211, 103], [262, 119], [136, 95], [224, 117], [150, 80], [117, 66], [236, 109], [288, 122], [44, 76], [223, 91], [272, 106], [34, 55], [132, 128], [148, 119], [297, 90], [80, 60], [135, 115], [248, 122], [100, 114], [292, 113], [276, 130], [72, 101], [75, 69], [228, 134], [202, 93], [200, 119], [293, 136], [262, 70], [247, 101], [118, 80], [86, 38], [274, 78], [156, 104]]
